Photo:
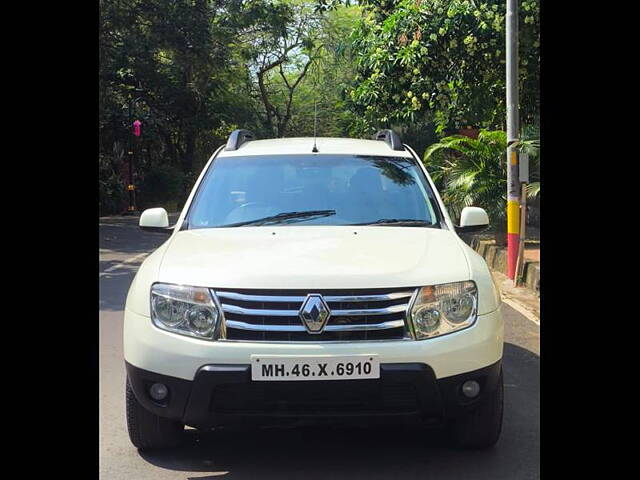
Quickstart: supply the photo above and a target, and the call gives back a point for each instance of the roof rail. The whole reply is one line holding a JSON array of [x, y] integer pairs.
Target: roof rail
[[237, 138], [391, 138]]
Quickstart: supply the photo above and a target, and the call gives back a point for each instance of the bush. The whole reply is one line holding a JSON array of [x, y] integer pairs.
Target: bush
[[111, 189], [471, 172], [161, 184]]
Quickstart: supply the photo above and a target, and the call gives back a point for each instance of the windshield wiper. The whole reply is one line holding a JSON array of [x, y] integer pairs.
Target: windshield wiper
[[284, 216], [400, 222]]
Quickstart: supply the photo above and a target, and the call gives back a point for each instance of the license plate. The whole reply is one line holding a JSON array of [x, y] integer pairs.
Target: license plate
[[317, 367]]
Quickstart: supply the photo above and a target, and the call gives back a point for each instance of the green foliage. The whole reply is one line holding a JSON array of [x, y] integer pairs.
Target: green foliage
[[471, 172], [330, 74], [111, 189], [160, 185], [200, 68], [441, 61], [192, 66], [305, 63], [278, 52], [175, 52]]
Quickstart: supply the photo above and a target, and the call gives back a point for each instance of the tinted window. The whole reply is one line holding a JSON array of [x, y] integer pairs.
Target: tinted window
[[360, 189]]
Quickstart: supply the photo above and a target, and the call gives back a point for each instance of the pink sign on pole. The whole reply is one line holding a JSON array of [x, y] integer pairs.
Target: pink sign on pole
[[136, 127]]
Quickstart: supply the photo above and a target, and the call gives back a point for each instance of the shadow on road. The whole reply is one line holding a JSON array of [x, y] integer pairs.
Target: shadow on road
[[120, 240], [114, 285], [122, 235], [372, 453], [129, 239]]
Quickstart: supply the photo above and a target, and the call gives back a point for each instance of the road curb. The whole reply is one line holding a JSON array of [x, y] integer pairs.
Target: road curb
[[496, 258], [521, 299], [526, 299]]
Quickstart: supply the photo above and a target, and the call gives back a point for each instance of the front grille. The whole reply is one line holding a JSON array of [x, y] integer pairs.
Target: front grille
[[272, 315]]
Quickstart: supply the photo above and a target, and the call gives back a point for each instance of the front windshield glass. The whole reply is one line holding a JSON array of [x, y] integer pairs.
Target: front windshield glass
[[313, 190]]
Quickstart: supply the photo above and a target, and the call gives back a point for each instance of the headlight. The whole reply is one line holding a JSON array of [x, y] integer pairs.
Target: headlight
[[441, 309], [185, 310]]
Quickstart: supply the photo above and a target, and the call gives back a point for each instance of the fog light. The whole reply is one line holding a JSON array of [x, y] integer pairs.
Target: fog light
[[158, 391], [471, 388]]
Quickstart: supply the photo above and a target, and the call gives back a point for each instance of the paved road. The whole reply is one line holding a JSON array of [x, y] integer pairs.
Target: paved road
[[312, 453]]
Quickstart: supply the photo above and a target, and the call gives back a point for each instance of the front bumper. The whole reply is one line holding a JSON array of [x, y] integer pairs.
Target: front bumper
[[223, 394], [149, 348]]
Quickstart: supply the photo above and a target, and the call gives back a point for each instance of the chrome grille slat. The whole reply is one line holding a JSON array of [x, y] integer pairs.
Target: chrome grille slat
[[300, 328], [300, 299], [294, 313], [356, 314]]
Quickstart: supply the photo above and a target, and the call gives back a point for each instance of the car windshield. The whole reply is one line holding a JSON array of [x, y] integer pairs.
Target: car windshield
[[313, 190]]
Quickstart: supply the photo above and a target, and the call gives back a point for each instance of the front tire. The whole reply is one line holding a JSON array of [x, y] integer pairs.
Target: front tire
[[148, 430], [481, 428]]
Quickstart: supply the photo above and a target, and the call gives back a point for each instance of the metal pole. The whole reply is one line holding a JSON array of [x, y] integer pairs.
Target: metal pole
[[521, 243], [513, 182], [130, 152], [130, 155]]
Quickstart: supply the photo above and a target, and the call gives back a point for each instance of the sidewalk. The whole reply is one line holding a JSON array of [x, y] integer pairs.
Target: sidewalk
[[526, 297], [526, 302]]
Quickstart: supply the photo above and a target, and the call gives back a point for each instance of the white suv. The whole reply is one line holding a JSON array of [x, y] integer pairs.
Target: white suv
[[313, 279]]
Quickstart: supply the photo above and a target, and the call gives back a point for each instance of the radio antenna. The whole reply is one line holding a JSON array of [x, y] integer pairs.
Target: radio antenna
[[315, 127]]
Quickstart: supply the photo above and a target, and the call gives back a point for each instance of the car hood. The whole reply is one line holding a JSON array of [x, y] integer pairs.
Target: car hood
[[322, 257]]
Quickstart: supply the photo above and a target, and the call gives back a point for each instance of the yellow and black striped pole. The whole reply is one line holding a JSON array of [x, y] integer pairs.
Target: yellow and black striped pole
[[513, 177], [513, 211]]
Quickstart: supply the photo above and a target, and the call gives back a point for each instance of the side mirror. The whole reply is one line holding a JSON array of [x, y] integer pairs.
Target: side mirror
[[473, 220], [155, 220]]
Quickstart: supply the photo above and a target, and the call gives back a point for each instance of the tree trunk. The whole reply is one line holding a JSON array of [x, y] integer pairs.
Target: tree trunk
[[171, 148], [188, 163]]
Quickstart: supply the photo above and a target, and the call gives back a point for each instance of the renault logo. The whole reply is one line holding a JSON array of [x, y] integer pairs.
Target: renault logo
[[314, 313]]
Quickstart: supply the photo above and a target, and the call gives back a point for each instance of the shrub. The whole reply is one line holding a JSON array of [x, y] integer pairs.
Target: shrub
[[471, 172], [111, 188], [160, 185]]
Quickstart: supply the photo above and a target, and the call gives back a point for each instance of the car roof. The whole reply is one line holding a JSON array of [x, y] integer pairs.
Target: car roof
[[325, 145]]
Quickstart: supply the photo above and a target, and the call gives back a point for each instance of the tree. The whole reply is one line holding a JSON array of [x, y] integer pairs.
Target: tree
[[206, 67], [182, 55], [441, 61], [279, 51], [327, 79], [170, 50]]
